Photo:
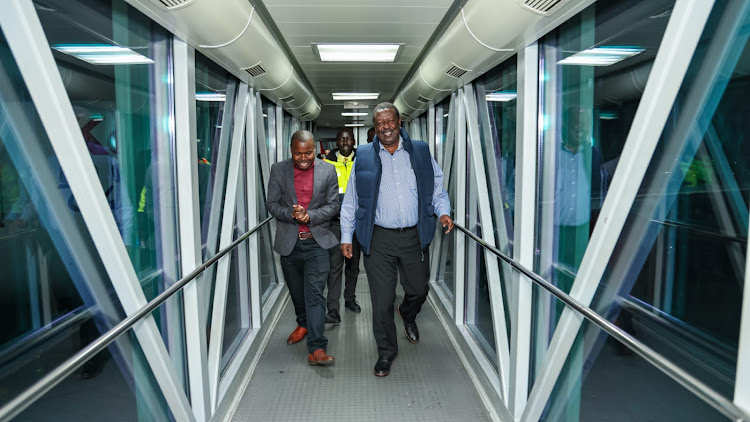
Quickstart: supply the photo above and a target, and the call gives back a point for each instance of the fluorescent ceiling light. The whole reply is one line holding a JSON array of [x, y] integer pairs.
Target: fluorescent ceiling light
[[501, 96], [354, 124], [102, 54], [210, 96], [353, 114], [346, 96], [601, 56], [357, 52]]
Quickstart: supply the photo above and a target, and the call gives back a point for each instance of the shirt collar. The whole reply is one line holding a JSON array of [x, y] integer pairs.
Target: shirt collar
[[400, 144], [340, 157]]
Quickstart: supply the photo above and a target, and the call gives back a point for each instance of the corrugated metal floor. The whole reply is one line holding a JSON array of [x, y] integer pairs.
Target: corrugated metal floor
[[427, 380]]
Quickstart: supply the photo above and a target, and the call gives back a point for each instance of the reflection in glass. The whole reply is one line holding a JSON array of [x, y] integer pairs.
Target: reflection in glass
[[120, 110], [55, 294], [612, 383], [586, 113], [677, 275], [113, 395]]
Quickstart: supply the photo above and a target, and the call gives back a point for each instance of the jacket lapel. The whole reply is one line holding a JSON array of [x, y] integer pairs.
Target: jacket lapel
[[290, 181], [316, 181]]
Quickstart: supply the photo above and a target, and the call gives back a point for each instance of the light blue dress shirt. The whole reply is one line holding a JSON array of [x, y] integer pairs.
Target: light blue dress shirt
[[398, 204]]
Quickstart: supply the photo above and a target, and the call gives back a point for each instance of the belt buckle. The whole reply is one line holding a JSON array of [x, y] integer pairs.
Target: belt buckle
[[304, 235]]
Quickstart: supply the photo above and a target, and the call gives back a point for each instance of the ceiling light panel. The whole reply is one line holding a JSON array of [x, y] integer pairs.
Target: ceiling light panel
[[347, 96], [354, 125], [384, 53], [601, 56], [102, 54], [346, 114]]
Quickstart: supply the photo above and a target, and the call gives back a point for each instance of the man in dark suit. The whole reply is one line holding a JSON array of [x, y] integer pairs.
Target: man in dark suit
[[303, 196]]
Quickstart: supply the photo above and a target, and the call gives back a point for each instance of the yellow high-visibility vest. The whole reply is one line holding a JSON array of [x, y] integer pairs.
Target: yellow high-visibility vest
[[343, 167]]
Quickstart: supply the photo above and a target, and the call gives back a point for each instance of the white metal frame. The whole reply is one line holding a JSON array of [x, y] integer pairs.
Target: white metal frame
[[281, 145], [742, 376], [253, 173], [502, 346], [431, 141], [459, 300], [27, 41], [524, 224], [186, 160], [671, 63]]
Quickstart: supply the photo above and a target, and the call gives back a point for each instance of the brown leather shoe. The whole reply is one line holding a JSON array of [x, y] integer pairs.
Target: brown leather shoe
[[319, 357], [297, 335]]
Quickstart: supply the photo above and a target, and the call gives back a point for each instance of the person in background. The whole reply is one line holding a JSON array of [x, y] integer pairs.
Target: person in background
[[303, 197], [395, 191], [370, 135], [342, 158]]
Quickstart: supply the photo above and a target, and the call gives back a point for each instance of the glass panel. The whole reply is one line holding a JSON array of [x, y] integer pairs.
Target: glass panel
[[446, 276], [214, 143], [291, 125], [496, 101], [237, 318], [479, 310], [676, 279], [269, 120], [121, 110], [124, 389], [55, 295], [603, 380], [265, 242], [586, 112]]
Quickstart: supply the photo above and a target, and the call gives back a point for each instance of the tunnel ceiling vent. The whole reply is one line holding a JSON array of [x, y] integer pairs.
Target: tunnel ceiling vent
[[422, 99], [255, 71], [171, 4], [407, 115], [303, 115], [542, 6], [288, 98], [455, 71]]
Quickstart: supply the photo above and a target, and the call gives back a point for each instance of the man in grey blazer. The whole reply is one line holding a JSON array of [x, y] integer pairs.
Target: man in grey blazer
[[303, 196]]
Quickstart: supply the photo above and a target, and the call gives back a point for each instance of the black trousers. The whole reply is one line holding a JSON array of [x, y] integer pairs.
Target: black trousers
[[306, 271], [337, 265], [391, 251]]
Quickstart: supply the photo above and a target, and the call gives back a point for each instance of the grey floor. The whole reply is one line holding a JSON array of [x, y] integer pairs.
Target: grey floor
[[427, 380]]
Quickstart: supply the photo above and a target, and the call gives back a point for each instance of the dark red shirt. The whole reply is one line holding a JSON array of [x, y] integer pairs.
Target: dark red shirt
[[303, 185]]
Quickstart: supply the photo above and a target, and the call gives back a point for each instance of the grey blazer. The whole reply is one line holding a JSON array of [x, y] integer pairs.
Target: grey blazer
[[323, 206]]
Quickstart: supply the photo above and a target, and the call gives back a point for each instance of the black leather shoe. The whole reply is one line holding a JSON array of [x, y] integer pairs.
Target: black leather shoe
[[410, 328], [353, 306], [333, 317], [383, 366]]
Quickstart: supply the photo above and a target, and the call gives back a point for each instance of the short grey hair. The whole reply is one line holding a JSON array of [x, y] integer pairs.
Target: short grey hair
[[385, 106]]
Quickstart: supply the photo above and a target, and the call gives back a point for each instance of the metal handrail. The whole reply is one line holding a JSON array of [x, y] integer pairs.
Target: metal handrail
[[59, 373], [697, 387]]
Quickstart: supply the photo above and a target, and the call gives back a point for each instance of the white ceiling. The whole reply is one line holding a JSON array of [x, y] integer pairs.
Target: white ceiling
[[306, 22]]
